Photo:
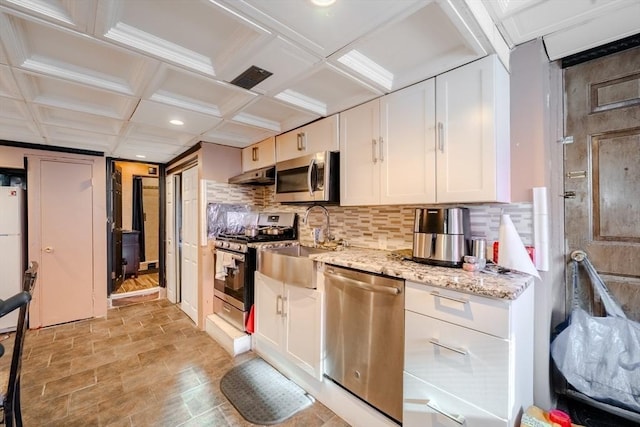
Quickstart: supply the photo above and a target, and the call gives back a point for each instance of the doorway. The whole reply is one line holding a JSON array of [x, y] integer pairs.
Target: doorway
[[135, 231]]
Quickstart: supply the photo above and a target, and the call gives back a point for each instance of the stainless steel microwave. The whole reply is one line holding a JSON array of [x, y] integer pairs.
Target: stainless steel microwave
[[308, 179]]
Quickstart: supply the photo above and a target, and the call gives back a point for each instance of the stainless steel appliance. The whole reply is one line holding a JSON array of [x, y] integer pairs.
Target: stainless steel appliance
[[311, 178], [235, 264], [441, 236], [365, 336]]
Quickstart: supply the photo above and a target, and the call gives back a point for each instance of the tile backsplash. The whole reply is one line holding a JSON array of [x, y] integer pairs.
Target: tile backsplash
[[385, 227]]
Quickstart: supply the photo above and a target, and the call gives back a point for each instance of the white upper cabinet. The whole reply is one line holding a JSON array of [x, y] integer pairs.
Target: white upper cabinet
[[259, 155], [473, 156], [387, 151], [318, 136]]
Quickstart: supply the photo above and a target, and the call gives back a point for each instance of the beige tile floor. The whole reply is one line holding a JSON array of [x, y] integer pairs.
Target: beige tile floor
[[144, 365]]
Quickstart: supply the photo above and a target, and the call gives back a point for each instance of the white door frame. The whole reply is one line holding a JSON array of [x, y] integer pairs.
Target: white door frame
[[189, 265]]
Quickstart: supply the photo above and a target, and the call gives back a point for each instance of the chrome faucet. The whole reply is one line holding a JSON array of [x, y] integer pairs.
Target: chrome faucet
[[327, 233]]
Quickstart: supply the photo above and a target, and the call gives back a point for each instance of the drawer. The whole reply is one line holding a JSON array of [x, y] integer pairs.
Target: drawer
[[482, 314], [466, 363], [425, 405]]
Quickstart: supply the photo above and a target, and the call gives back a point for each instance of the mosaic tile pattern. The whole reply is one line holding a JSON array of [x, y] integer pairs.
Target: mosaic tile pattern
[[377, 227]]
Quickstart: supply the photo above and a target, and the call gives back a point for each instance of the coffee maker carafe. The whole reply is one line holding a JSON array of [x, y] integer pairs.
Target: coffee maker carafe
[[441, 236]]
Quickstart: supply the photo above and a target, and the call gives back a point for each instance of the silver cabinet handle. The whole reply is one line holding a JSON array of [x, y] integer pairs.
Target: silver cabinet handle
[[48, 249], [301, 140], [390, 290], [439, 295], [373, 151], [437, 343], [381, 149], [457, 418], [284, 304], [309, 173], [254, 154], [279, 304], [441, 137]]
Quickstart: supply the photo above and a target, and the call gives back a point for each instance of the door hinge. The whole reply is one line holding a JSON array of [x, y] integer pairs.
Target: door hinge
[[569, 195], [567, 140], [576, 174]]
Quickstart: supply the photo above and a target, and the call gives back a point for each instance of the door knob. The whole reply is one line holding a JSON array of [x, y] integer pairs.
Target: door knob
[[48, 249]]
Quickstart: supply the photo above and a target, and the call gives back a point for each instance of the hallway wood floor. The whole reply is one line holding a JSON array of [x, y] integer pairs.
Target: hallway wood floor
[[143, 365]]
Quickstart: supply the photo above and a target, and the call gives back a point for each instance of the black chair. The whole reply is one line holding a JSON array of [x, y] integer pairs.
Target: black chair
[[10, 393]]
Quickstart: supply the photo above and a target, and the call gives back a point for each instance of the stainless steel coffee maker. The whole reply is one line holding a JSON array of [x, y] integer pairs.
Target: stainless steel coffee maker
[[441, 236]]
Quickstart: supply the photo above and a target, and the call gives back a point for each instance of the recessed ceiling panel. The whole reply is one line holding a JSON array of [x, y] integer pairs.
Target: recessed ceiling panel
[[322, 29], [14, 109], [47, 50], [76, 120], [160, 115], [140, 133], [431, 44], [236, 135], [7, 83], [76, 138], [276, 116], [284, 59], [184, 89], [198, 35], [20, 130], [327, 90], [70, 13], [63, 94]]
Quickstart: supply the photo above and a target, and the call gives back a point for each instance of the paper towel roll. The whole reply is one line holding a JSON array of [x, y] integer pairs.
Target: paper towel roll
[[513, 254]]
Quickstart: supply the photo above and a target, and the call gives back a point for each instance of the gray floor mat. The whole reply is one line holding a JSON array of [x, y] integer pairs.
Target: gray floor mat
[[261, 394]]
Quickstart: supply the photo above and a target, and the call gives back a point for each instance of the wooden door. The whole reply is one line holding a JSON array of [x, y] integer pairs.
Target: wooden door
[[65, 276], [268, 311], [602, 168], [359, 155], [189, 263]]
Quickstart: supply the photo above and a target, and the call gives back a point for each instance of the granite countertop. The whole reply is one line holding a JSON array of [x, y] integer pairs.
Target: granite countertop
[[503, 286]]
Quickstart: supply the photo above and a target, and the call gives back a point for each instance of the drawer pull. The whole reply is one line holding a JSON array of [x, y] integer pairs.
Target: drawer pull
[[439, 295], [448, 347], [457, 418]]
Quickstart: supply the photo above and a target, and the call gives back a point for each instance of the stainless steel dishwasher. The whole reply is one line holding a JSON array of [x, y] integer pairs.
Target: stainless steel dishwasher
[[365, 336]]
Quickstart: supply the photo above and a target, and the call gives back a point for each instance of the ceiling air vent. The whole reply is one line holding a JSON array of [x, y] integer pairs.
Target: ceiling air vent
[[251, 77]]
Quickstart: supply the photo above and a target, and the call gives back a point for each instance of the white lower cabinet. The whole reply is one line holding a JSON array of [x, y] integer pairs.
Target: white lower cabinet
[[427, 406], [288, 321], [468, 359]]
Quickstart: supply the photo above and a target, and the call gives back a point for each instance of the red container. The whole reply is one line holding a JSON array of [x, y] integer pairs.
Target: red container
[[530, 250], [560, 418]]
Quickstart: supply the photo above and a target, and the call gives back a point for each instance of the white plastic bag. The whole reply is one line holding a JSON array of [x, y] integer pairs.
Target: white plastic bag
[[600, 356]]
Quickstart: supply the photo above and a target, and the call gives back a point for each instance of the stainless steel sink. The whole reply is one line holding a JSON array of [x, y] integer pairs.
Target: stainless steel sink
[[290, 265]]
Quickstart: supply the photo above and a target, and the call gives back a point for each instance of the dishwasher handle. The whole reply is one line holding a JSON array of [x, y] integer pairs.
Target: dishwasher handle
[[389, 290]]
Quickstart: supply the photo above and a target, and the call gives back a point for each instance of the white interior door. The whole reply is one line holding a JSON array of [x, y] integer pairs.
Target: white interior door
[[65, 276], [189, 263], [171, 242]]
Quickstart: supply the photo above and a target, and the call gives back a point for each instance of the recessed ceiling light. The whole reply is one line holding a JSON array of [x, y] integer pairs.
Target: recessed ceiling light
[[141, 156], [176, 122], [323, 3]]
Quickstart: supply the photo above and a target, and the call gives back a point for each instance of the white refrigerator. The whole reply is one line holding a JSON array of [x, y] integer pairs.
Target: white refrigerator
[[11, 249]]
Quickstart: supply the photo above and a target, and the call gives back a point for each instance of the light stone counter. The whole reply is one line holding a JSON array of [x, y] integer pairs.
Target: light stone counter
[[504, 286]]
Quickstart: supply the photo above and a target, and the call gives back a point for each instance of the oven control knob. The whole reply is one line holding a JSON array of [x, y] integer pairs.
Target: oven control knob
[[236, 247], [226, 244]]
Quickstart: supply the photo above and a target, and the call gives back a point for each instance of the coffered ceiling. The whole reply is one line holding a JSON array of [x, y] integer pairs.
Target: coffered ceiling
[[110, 75]]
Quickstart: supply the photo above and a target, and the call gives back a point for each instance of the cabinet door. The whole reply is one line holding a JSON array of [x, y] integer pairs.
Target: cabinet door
[[472, 108], [407, 145], [359, 155], [319, 136], [268, 311], [302, 319], [259, 155]]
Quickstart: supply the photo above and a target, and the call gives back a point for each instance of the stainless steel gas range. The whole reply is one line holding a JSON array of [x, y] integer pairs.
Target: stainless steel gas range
[[235, 264]]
